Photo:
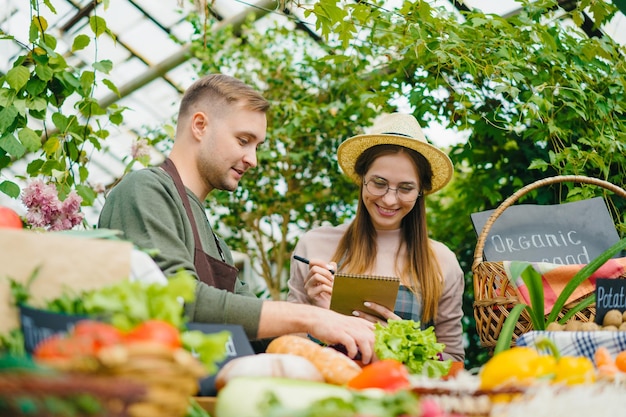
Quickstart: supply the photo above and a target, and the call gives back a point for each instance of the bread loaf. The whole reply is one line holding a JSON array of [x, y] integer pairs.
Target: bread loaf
[[335, 367], [268, 364]]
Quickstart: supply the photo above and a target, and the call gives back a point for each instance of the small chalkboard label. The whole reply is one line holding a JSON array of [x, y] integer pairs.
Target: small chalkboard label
[[37, 325], [564, 234], [610, 295]]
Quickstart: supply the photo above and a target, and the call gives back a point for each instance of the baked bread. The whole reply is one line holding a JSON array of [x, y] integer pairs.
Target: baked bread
[[335, 367]]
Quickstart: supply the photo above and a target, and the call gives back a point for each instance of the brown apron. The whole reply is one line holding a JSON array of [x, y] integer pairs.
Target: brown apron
[[214, 272]]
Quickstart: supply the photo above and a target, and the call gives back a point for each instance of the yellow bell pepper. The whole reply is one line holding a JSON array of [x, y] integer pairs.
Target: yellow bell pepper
[[573, 370], [524, 366], [516, 366]]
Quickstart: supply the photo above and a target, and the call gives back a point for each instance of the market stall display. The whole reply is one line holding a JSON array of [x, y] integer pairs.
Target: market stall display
[[141, 344]]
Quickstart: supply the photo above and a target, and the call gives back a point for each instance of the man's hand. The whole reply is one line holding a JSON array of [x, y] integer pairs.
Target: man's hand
[[354, 333]]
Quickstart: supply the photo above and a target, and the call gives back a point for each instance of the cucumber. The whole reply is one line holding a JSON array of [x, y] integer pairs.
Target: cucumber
[[249, 396]]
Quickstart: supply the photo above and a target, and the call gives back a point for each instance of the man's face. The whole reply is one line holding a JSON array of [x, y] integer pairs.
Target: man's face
[[229, 146]]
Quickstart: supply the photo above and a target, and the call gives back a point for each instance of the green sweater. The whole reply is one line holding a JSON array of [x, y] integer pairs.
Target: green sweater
[[146, 207]]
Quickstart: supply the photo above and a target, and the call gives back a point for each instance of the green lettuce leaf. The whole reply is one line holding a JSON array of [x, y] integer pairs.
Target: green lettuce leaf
[[417, 349]]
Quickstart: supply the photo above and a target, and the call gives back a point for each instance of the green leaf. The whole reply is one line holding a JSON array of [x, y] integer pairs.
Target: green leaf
[[37, 104], [44, 72], [20, 106], [80, 42], [33, 32], [111, 86], [51, 145], [29, 139], [17, 77], [100, 233], [83, 173], [534, 284], [211, 349], [508, 328], [50, 6], [34, 167], [87, 80], [98, 25], [60, 121], [7, 117], [50, 43], [12, 146], [169, 130], [116, 118], [10, 188], [104, 66], [6, 97], [87, 194]]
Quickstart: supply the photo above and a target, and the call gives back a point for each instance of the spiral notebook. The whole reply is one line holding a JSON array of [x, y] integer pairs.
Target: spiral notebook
[[350, 291]]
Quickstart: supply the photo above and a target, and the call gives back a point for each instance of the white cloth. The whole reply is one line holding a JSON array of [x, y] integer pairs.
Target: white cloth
[[144, 269]]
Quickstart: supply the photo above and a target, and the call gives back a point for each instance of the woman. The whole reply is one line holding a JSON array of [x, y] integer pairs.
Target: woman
[[395, 168]]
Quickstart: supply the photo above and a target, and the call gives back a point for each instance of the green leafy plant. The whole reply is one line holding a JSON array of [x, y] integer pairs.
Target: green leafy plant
[[403, 340], [37, 123], [533, 282]]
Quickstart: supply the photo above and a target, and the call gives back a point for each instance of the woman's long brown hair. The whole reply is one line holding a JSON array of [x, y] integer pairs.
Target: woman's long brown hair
[[357, 248]]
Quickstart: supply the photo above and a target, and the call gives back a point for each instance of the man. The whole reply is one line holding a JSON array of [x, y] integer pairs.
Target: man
[[221, 123]]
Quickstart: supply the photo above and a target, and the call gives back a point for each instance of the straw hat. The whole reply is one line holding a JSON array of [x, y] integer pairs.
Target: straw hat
[[396, 129]]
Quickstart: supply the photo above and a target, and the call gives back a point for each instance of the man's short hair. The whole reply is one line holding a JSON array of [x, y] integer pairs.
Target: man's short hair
[[215, 90]]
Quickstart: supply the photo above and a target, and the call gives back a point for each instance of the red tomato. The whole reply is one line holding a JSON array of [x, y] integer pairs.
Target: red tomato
[[103, 334], [155, 331], [386, 374], [10, 219], [63, 347]]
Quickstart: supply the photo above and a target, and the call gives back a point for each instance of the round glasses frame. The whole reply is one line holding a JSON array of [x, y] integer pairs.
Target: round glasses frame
[[375, 190]]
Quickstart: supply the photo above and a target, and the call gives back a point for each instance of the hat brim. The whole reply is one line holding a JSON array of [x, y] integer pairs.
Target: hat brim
[[349, 151]]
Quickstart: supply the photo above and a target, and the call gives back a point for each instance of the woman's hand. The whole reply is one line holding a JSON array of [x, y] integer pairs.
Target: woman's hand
[[318, 284], [382, 310]]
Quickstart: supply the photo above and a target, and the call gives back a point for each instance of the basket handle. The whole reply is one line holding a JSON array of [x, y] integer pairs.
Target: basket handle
[[480, 245]]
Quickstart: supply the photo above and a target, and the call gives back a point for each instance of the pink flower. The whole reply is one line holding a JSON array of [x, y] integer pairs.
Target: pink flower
[[47, 211], [140, 149]]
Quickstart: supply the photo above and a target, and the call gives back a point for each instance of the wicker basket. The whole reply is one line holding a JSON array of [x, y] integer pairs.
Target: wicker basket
[[494, 296], [28, 392], [170, 377]]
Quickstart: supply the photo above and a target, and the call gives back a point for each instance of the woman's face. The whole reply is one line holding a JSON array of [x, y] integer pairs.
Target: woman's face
[[396, 171]]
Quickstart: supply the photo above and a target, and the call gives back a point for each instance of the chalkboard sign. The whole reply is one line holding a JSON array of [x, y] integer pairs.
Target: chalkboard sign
[[610, 295], [37, 325], [565, 234], [238, 345]]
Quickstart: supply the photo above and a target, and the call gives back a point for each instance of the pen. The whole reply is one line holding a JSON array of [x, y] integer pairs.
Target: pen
[[306, 261]]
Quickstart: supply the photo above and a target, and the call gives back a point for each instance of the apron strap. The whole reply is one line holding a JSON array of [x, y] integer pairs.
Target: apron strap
[[170, 168]]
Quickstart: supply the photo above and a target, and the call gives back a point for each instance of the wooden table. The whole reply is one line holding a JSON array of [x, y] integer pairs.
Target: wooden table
[[207, 403]]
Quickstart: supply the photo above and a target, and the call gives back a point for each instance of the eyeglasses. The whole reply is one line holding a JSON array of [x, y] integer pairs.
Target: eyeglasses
[[379, 187]]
